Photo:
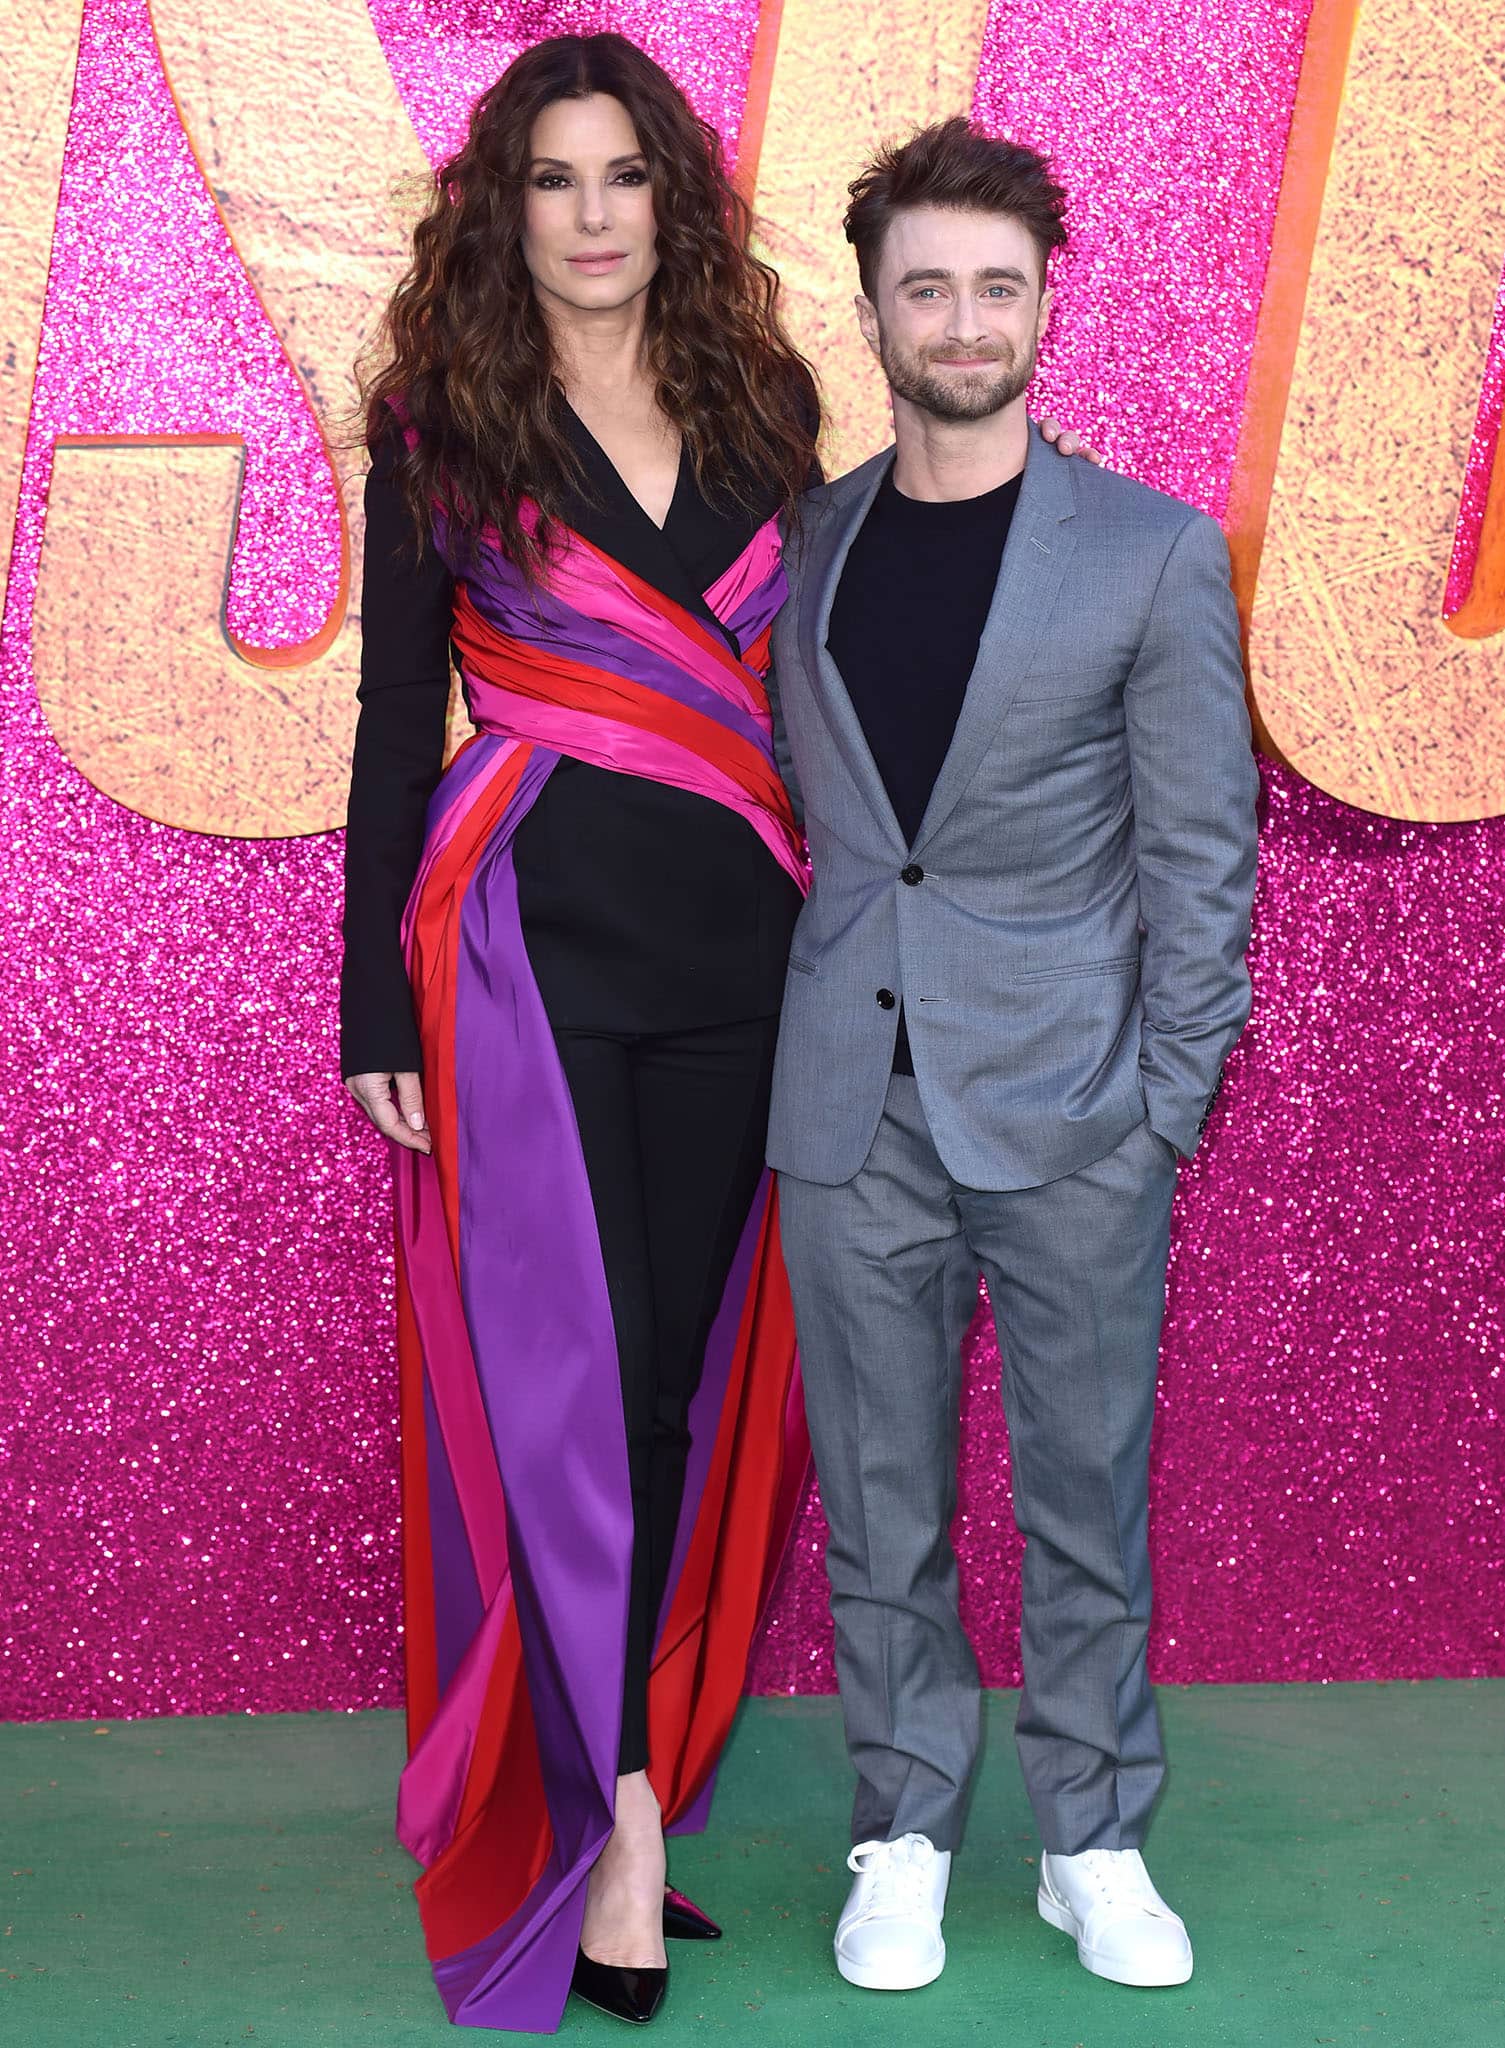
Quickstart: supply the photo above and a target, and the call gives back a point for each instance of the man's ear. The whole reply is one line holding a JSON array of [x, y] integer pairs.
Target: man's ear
[[867, 320], [1042, 319]]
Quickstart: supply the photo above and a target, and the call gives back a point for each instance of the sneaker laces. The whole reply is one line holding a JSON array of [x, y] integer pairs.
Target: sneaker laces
[[1122, 1880], [900, 1874]]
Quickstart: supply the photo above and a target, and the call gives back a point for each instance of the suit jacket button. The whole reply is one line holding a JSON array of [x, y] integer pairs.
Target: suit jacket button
[[886, 999], [914, 874]]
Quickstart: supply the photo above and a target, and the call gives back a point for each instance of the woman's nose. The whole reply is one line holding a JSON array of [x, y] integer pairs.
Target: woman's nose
[[595, 214]]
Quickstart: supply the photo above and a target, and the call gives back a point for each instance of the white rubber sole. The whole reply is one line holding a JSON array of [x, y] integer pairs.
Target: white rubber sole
[[1102, 1966], [875, 1978]]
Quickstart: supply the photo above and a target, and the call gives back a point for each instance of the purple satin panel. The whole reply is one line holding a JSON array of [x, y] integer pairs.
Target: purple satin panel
[[755, 610], [758, 613], [545, 1356], [517, 1980]]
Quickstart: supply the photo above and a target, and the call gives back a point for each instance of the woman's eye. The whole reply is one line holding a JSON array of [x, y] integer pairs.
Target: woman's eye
[[632, 177], [550, 181]]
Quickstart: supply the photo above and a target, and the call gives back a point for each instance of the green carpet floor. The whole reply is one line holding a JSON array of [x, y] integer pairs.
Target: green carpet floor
[[1336, 1852]]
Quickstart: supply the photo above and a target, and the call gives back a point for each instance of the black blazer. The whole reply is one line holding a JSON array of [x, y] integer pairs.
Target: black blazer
[[645, 908]]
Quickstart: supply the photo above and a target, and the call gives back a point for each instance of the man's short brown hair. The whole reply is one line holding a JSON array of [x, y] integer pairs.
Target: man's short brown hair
[[953, 164]]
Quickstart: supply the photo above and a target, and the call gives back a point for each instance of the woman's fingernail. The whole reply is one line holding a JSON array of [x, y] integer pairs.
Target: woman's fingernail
[[415, 1120]]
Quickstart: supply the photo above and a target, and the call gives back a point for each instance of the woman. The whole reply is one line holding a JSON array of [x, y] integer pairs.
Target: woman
[[587, 428]]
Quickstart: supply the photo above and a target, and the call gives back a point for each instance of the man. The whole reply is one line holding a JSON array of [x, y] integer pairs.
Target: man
[[1011, 708]]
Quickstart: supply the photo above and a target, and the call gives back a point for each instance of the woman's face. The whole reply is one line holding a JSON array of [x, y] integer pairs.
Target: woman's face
[[589, 239]]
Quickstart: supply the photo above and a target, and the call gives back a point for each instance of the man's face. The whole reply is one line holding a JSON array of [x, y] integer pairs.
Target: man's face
[[958, 311]]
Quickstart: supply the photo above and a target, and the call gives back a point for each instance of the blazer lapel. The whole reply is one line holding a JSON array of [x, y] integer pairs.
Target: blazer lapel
[[1039, 548], [824, 559], [611, 519]]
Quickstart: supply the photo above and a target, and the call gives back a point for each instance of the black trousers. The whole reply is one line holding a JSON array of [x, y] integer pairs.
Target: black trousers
[[673, 1127]]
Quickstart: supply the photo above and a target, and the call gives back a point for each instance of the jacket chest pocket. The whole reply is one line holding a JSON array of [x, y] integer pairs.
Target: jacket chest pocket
[[1070, 688]]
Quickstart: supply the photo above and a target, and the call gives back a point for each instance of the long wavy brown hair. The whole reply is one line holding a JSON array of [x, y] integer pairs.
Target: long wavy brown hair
[[465, 353]]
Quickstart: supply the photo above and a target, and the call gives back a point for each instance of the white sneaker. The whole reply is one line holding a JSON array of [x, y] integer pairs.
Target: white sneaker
[[889, 1935], [1122, 1927]]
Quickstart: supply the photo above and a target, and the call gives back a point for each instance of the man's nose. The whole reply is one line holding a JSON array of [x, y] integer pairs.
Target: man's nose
[[966, 326]]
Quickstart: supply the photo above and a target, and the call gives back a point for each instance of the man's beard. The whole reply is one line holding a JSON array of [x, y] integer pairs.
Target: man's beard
[[974, 397]]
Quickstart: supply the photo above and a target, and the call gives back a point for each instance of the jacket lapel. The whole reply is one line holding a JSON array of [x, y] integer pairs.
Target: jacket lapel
[[824, 558], [1040, 546], [607, 515]]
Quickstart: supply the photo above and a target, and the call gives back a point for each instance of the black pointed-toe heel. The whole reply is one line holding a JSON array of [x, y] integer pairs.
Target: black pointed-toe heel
[[632, 1995], [684, 1921]]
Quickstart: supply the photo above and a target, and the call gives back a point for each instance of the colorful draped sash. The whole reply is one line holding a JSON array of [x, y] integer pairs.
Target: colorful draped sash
[[516, 1512]]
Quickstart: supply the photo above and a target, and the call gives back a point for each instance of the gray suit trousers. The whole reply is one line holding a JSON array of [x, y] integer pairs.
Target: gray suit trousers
[[884, 1272]]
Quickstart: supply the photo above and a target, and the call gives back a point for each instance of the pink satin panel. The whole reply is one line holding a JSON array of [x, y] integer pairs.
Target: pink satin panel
[[451, 1377], [433, 1783]]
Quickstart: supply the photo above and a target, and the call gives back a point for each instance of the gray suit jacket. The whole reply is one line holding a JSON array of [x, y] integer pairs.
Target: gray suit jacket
[[1073, 958]]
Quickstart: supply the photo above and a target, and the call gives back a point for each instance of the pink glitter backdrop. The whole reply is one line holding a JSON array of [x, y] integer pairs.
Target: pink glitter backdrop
[[444, 53], [197, 1423]]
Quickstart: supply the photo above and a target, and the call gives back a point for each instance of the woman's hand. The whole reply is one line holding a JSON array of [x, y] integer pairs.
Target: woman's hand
[[400, 1119], [1068, 442]]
